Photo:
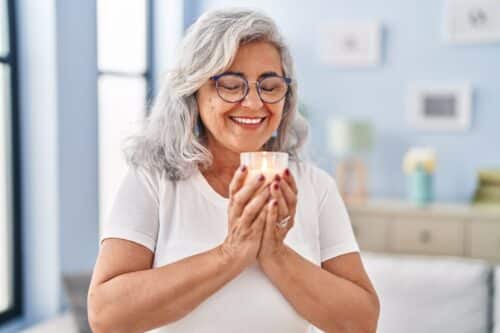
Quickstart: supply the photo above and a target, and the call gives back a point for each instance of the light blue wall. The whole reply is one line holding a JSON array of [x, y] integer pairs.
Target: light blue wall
[[413, 51], [58, 114]]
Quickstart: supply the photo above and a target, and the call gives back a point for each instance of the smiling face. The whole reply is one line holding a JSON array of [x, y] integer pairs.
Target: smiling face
[[246, 125]]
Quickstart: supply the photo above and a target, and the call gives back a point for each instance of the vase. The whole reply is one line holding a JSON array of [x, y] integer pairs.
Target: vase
[[420, 187]]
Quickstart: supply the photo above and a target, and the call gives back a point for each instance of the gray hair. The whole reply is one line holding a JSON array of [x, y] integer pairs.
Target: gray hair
[[172, 136]]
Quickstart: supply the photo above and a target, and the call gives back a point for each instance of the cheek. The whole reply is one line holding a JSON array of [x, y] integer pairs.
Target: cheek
[[213, 111], [211, 104], [277, 111], [207, 105]]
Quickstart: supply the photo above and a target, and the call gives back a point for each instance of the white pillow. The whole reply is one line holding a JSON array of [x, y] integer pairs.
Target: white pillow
[[430, 294]]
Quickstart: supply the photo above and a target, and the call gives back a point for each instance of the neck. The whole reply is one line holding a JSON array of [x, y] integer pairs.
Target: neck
[[224, 163]]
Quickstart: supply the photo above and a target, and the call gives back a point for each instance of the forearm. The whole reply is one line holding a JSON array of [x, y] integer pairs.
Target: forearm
[[329, 302], [140, 301]]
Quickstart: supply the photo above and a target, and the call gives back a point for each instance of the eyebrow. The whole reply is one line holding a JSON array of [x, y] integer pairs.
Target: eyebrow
[[265, 74]]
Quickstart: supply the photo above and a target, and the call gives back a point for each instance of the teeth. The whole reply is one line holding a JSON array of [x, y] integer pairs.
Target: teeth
[[247, 120]]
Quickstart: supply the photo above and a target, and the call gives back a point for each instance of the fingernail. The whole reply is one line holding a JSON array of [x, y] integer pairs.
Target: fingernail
[[261, 177], [287, 172], [276, 186], [277, 178], [243, 168], [275, 203]]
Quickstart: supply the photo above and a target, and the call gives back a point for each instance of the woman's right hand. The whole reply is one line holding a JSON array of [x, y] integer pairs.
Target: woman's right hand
[[246, 217]]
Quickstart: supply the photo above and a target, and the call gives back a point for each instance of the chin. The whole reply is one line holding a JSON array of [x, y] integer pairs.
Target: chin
[[245, 147]]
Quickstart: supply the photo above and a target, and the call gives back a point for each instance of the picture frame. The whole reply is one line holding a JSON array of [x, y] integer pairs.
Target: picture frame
[[351, 44], [471, 22], [439, 107]]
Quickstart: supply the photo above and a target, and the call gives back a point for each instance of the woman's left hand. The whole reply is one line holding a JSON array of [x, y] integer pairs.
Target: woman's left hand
[[280, 210]]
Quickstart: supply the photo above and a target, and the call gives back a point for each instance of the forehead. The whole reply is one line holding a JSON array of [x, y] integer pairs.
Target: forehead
[[256, 58]]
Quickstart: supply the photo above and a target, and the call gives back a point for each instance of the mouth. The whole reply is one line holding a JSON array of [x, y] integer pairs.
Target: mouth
[[248, 122]]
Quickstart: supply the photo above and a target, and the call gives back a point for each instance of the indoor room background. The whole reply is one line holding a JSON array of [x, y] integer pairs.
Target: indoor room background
[[85, 71]]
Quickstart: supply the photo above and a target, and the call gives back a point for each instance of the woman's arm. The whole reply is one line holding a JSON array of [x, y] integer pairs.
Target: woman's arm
[[336, 298], [126, 295]]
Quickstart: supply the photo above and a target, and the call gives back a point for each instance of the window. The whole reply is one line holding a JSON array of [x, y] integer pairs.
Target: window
[[124, 30], [10, 229]]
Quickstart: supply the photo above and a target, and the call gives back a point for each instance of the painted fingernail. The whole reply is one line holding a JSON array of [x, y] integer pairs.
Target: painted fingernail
[[275, 203], [287, 172], [277, 178], [276, 186], [261, 177], [243, 168]]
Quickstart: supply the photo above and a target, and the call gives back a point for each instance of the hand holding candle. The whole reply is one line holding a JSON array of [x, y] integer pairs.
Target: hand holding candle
[[281, 208]]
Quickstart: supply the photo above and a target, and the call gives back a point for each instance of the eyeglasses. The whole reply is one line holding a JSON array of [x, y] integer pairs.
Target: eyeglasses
[[234, 87]]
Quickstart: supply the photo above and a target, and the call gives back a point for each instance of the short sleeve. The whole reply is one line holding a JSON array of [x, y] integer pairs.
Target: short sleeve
[[335, 230], [134, 214]]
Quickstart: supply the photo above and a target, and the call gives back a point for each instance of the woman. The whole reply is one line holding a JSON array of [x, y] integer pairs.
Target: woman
[[194, 244]]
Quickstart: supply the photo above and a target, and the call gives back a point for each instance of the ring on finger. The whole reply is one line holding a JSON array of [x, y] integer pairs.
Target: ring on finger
[[283, 223]]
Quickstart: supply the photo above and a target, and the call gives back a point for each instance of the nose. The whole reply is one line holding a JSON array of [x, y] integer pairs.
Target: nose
[[252, 99]]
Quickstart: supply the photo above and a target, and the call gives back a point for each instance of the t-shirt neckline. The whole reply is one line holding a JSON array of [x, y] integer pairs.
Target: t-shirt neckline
[[207, 190]]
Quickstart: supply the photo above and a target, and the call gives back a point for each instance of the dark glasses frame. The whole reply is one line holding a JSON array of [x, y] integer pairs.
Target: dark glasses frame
[[216, 78]]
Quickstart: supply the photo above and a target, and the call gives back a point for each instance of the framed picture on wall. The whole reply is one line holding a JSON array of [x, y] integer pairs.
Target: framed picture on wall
[[468, 22], [351, 44], [439, 107]]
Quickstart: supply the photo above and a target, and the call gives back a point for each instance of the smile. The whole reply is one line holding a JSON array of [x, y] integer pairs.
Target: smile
[[248, 121]]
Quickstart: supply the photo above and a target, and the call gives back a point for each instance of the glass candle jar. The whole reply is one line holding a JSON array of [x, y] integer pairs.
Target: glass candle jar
[[268, 163]]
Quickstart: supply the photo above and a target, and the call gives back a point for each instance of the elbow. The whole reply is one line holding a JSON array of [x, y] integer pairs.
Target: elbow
[[96, 321], [97, 317], [369, 324], [95, 324]]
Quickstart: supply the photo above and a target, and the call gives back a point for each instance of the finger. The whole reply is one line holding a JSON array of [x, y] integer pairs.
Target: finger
[[273, 209], [278, 196], [236, 183], [254, 207], [238, 180], [240, 199], [272, 214], [287, 175], [258, 223], [290, 196]]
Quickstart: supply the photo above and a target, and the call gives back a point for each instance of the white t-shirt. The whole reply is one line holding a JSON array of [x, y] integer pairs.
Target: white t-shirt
[[179, 219]]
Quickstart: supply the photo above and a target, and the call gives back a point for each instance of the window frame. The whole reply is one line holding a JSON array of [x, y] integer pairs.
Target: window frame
[[147, 75], [11, 60]]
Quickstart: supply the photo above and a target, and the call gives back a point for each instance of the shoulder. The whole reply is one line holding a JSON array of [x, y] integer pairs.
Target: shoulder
[[154, 182]]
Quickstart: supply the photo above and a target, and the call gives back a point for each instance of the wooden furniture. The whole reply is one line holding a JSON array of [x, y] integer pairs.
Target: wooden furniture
[[396, 226]]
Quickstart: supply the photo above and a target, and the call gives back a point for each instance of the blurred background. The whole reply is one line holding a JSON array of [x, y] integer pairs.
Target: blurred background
[[403, 103]]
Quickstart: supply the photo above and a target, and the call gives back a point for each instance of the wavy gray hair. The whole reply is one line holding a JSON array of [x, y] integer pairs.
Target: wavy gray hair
[[172, 136]]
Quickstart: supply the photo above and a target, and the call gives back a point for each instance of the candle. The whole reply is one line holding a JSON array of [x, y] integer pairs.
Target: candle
[[267, 163]]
